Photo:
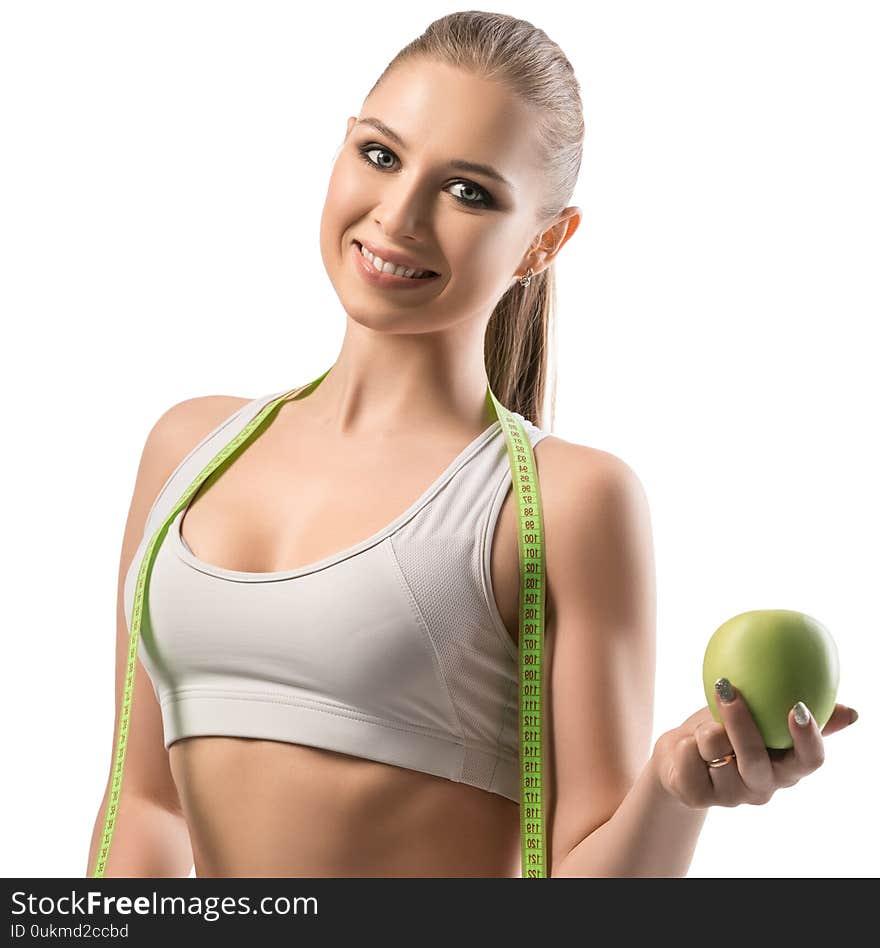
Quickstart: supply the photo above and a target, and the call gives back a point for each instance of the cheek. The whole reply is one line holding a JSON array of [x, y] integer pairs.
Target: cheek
[[479, 258], [347, 191], [343, 205]]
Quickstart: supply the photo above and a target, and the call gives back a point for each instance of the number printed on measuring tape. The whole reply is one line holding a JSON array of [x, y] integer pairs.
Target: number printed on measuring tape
[[531, 637]]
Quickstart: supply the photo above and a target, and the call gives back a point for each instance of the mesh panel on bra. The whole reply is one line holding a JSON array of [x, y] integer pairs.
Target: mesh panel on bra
[[440, 553]]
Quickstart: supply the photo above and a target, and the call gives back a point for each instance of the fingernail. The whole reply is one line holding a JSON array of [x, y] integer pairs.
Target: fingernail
[[854, 715], [725, 691], [801, 714]]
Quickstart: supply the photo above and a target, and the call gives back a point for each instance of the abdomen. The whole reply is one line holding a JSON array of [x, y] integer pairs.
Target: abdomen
[[259, 808]]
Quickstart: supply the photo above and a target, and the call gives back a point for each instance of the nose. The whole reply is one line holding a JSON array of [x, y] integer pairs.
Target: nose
[[401, 211]]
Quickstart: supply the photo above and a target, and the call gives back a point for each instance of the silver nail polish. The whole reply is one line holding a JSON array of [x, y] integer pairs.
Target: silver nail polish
[[724, 690], [801, 714]]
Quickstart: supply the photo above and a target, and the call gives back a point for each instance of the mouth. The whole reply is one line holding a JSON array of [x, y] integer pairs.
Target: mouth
[[413, 274]]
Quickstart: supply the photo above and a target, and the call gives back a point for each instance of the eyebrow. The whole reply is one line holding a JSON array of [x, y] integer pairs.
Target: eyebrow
[[460, 163]]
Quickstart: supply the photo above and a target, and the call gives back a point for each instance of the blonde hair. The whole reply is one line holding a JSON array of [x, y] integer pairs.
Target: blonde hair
[[499, 47]]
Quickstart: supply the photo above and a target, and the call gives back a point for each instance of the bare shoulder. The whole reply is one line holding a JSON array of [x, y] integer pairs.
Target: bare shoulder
[[573, 476], [174, 435], [595, 508], [186, 423]]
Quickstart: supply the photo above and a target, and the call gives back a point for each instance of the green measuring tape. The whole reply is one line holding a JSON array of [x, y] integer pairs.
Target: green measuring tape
[[532, 589], [532, 598]]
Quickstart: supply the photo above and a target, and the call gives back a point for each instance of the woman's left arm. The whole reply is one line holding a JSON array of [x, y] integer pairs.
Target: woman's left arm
[[618, 811]]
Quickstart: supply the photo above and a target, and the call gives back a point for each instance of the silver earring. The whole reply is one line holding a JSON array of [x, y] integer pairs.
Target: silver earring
[[527, 279]]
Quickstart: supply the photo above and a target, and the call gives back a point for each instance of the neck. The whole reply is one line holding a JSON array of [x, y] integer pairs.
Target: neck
[[397, 385]]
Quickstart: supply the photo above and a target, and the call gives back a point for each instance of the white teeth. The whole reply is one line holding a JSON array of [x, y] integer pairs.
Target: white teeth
[[388, 267]]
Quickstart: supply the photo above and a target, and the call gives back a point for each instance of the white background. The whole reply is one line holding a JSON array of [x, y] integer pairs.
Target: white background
[[163, 171]]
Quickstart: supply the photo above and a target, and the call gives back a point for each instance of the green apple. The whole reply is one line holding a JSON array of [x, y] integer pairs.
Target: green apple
[[774, 658]]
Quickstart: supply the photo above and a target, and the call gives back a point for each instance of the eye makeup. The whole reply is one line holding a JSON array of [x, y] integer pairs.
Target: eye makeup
[[484, 202]]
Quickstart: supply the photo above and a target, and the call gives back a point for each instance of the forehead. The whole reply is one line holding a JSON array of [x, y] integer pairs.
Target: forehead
[[450, 114]]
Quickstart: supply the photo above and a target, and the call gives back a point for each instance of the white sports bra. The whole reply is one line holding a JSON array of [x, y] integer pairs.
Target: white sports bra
[[392, 650]]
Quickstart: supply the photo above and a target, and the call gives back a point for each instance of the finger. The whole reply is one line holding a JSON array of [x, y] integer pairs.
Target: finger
[[690, 776], [714, 744], [841, 717], [752, 759], [712, 740], [807, 754], [788, 767], [690, 725]]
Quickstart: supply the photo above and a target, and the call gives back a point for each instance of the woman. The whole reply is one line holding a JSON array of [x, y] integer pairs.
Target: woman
[[327, 684]]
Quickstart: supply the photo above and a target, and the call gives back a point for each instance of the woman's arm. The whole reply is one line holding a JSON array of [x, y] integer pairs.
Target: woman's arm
[[650, 834], [654, 831], [149, 841], [150, 835], [601, 641], [600, 575], [613, 816]]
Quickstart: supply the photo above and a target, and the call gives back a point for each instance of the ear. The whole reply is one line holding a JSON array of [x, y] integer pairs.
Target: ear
[[553, 239], [351, 120]]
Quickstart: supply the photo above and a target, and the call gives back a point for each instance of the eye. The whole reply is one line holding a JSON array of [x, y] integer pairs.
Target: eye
[[484, 201]]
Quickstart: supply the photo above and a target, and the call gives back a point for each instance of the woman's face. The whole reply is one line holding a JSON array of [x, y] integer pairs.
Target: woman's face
[[408, 197]]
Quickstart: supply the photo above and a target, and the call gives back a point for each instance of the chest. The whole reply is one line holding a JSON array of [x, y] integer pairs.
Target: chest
[[285, 504]]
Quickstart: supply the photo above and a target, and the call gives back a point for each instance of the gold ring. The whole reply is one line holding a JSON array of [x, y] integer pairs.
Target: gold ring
[[721, 761]]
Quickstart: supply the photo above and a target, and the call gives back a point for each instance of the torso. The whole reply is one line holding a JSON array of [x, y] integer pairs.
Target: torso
[[260, 807]]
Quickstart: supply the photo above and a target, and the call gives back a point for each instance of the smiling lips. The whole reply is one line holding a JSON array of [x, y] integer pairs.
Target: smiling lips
[[399, 261], [389, 279]]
